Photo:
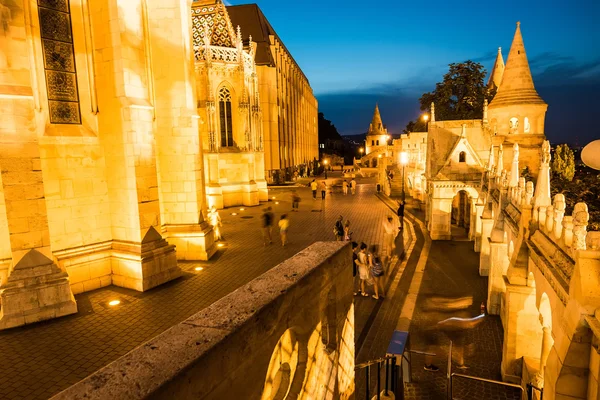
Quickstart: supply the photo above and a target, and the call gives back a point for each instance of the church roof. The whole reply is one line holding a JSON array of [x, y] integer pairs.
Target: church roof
[[517, 83], [497, 71], [376, 127], [254, 23], [210, 16]]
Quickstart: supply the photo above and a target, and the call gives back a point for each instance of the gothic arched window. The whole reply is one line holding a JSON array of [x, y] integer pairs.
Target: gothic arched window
[[378, 143], [372, 143], [225, 117], [462, 157]]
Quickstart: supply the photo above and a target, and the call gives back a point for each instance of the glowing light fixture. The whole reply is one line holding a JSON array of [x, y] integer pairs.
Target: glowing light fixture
[[233, 213], [198, 268], [404, 158], [242, 209], [425, 117], [379, 156], [276, 202], [221, 245], [113, 303]]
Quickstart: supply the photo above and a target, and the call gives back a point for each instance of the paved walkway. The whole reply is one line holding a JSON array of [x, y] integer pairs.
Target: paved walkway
[[439, 280], [40, 360]]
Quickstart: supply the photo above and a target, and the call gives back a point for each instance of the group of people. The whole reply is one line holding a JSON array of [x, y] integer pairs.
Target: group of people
[[268, 219], [314, 186]]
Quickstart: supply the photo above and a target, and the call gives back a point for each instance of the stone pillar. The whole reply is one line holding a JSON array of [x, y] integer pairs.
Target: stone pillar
[[497, 268], [547, 343], [33, 288], [487, 223], [440, 222], [476, 225], [521, 330], [180, 157]]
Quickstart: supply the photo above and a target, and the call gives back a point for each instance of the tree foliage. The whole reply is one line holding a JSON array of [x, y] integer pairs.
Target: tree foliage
[[327, 130], [563, 162], [583, 188], [459, 96]]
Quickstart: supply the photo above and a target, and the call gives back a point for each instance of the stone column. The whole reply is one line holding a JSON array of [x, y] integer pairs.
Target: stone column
[[476, 225], [34, 287], [487, 223], [180, 157], [547, 343]]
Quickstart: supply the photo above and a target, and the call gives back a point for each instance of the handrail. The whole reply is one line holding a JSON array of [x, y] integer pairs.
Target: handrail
[[476, 378], [373, 362]]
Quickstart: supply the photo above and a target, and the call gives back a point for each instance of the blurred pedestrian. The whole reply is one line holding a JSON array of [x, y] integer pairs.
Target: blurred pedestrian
[[295, 201], [376, 271], [323, 189], [347, 233], [345, 187], [353, 186], [363, 269], [284, 224], [401, 214], [215, 220], [389, 234], [267, 225], [355, 284], [313, 187], [338, 229]]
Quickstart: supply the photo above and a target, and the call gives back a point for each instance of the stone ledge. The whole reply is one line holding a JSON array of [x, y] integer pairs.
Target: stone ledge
[[203, 338]]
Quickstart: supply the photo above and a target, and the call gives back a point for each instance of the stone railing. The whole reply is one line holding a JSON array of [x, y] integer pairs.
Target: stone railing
[[291, 330], [223, 54]]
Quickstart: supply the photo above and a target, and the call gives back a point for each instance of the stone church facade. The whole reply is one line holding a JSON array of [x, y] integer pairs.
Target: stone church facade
[[122, 122]]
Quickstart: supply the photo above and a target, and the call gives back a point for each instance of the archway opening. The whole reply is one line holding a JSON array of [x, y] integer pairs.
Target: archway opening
[[461, 215]]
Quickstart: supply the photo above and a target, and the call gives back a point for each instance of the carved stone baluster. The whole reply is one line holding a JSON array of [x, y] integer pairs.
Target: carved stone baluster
[[549, 228], [521, 190], [559, 212], [529, 189], [542, 216], [581, 217], [567, 233]]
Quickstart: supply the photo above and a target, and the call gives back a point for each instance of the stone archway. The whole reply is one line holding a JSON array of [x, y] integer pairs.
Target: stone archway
[[460, 217]]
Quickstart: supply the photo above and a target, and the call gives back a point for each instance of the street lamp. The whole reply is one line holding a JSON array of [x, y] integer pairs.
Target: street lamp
[[403, 162], [361, 151], [425, 118]]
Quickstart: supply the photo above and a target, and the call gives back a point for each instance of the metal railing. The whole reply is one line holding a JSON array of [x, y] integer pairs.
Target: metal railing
[[391, 378], [450, 376], [530, 388]]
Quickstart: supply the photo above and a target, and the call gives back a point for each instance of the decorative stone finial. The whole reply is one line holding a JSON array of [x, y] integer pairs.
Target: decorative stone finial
[[432, 112], [463, 132], [528, 192], [518, 24], [485, 111], [581, 217], [559, 213], [546, 152], [516, 153]]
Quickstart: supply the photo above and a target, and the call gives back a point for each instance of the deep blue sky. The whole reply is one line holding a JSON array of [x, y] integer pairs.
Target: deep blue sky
[[356, 53]]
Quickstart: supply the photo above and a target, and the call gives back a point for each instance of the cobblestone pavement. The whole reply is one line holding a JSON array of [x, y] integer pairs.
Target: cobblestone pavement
[[40, 360], [451, 274]]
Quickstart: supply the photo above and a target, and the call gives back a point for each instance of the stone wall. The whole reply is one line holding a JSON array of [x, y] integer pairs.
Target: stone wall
[[289, 332]]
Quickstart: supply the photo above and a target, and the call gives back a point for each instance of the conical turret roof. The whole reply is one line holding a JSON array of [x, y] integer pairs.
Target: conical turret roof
[[517, 83], [376, 127], [497, 71]]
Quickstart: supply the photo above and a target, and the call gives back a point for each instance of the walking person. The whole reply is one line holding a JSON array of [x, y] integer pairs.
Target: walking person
[[323, 190], [347, 233], [215, 220], [401, 214], [355, 283], [345, 187], [313, 187], [338, 229], [284, 224], [363, 269], [267, 225], [389, 234], [353, 186], [376, 271], [295, 201]]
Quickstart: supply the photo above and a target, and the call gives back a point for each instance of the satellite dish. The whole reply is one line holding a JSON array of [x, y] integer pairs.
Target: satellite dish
[[591, 155]]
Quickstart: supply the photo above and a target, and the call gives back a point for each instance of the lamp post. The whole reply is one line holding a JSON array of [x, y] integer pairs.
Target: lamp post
[[361, 151], [403, 162], [425, 118]]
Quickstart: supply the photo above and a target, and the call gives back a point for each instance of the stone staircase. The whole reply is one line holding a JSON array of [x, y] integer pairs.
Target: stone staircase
[[396, 184]]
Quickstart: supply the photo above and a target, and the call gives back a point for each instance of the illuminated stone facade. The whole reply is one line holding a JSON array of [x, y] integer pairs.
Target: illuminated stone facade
[[289, 108], [459, 151], [229, 108], [102, 171]]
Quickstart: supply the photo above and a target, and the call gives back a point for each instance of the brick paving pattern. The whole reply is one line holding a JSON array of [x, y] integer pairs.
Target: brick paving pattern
[[451, 272], [40, 360]]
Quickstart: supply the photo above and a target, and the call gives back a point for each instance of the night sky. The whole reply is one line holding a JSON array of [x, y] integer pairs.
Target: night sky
[[356, 53]]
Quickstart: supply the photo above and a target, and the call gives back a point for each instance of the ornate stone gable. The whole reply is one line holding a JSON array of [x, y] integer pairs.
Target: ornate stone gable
[[461, 160]]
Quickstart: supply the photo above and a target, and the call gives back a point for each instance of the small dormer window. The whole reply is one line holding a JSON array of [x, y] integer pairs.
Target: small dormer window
[[526, 125], [462, 157], [378, 143], [372, 143]]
